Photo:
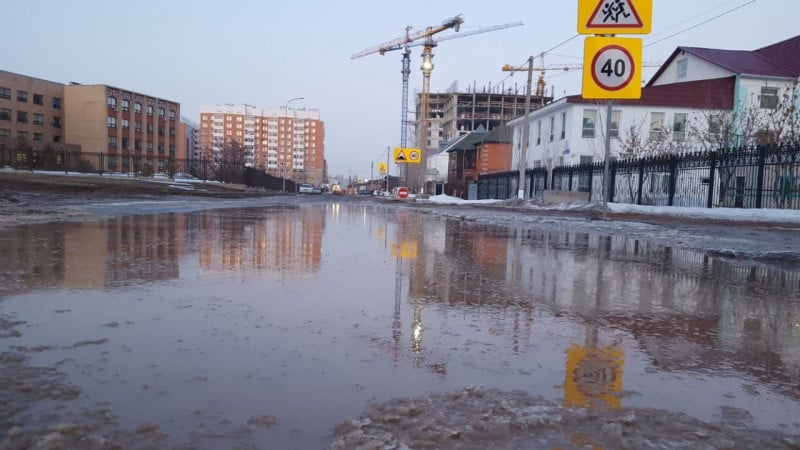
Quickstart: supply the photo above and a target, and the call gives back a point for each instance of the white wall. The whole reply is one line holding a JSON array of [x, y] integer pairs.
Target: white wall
[[696, 69]]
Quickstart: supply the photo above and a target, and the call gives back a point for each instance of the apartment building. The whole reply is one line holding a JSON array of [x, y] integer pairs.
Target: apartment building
[[31, 109], [128, 127], [188, 141], [284, 142]]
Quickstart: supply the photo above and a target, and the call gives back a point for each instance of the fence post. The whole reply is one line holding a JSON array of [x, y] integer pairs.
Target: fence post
[[673, 178], [712, 168], [641, 182], [570, 178], [613, 182], [102, 162], [591, 177], [762, 156]]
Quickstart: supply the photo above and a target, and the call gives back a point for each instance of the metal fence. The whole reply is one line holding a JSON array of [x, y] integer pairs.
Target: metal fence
[[752, 177]]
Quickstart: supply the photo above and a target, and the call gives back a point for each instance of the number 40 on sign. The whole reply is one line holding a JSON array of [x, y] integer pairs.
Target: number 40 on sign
[[612, 68]]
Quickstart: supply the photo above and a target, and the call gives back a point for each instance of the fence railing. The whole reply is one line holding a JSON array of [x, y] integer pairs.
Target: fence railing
[[753, 177]]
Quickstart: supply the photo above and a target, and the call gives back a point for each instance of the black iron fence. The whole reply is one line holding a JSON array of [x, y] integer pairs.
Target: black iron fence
[[758, 177], [259, 178]]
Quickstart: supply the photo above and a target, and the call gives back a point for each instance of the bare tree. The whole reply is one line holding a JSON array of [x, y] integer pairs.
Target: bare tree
[[228, 163]]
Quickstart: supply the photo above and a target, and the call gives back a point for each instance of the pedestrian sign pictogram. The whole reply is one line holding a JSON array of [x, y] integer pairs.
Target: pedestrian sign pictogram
[[382, 168], [615, 16], [407, 155], [614, 70]]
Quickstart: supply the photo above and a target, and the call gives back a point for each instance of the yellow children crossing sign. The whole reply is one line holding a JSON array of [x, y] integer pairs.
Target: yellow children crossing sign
[[407, 155], [615, 16]]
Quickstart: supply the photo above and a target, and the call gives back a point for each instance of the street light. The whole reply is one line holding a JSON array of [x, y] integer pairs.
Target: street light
[[286, 107]]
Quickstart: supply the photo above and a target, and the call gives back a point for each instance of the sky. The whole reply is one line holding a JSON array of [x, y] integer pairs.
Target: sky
[[263, 52]]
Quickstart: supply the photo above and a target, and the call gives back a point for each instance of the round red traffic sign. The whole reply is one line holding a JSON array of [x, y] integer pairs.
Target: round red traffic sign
[[613, 67], [402, 192]]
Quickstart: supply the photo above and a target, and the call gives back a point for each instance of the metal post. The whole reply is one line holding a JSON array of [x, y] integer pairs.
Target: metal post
[[387, 169], [526, 133], [607, 162]]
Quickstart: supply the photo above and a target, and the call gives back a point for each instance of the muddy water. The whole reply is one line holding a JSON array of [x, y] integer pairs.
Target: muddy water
[[264, 328]]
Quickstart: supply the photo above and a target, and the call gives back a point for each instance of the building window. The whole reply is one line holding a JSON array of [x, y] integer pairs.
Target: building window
[[111, 121], [161, 148], [149, 147], [5, 93], [172, 132], [172, 149], [22, 116], [769, 97], [615, 124], [22, 135], [149, 128], [563, 125], [39, 137], [552, 128], [125, 143], [161, 112], [56, 122], [112, 142], [38, 119], [679, 127], [38, 99], [5, 114], [56, 103], [160, 130], [125, 124], [149, 110], [126, 105], [137, 108], [112, 102], [656, 125], [683, 68], [589, 121], [137, 144], [138, 126], [22, 96], [56, 138], [5, 132], [171, 114]]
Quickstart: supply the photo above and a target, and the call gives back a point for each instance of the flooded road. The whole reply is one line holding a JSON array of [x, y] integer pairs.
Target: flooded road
[[270, 327]]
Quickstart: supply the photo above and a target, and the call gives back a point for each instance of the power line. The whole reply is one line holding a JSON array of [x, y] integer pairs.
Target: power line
[[701, 23]]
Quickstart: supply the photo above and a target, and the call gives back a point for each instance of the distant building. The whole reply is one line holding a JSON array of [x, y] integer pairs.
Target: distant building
[[128, 127], [189, 141], [478, 153], [283, 142]]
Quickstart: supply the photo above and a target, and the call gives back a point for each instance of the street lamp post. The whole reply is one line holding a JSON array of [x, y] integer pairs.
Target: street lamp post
[[286, 108]]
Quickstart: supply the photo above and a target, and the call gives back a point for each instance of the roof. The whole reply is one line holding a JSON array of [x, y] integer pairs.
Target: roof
[[715, 93], [501, 134], [781, 59]]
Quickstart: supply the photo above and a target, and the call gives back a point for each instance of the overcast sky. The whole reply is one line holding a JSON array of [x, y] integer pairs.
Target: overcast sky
[[265, 52]]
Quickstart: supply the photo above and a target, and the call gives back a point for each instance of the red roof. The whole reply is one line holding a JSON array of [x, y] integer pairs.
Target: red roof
[[702, 94], [785, 54]]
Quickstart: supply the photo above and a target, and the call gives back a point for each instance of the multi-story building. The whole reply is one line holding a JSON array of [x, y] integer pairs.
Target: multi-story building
[[284, 142], [128, 127], [31, 110], [188, 141]]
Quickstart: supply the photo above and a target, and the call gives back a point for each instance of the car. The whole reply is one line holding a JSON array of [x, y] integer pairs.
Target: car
[[336, 189], [306, 189]]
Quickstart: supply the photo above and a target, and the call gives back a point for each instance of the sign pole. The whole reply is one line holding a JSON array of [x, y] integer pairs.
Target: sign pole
[[607, 165], [387, 168]]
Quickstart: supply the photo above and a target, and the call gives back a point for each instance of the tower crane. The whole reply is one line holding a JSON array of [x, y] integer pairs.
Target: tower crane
[[409, 40]]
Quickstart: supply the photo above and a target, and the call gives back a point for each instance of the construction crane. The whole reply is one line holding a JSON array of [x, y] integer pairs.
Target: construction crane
[[409, 40]]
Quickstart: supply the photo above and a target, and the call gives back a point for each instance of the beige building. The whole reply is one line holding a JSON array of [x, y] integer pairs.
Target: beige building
[[284, 142], [133, 130], [31, 109]]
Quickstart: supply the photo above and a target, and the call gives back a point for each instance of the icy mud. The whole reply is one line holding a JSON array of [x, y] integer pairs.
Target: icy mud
[[478, 418]]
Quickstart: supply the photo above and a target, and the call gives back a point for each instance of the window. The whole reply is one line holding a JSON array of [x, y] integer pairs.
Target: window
[[172, 132], [172, 149], [126, 105], [112, 142], [149, 110], [5, 132], [38, 137], [56, 138], [161, 148], [769, 97], [5, 93], [112, 102], [679, 127], [125, 124], [22, 96], [615, 124], [56, 122], [22, 135], [22, 116], [38, 119], [149, 128], [149, 147], [563, 125], [138, 126], [171, 114], [56, 103], [137, 144], [137, 108], [656, 125], [160, 130], [683, 68], [552, 127], [5, 114], [126, 143], [111, 121], [589, 120], [38, 99], [161, 112]]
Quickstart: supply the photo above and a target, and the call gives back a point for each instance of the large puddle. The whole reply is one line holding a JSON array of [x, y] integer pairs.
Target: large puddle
[[267, 327]]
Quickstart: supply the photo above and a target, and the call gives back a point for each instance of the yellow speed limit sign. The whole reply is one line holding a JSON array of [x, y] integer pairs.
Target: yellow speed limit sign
[[612, 68], [407, 155]]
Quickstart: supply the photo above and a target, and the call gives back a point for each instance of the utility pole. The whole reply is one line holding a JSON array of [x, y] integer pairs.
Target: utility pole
[[526, 130], [387, 168]]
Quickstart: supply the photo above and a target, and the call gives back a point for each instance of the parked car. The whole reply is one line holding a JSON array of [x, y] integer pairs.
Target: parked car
[[306, 189], [336, 189]]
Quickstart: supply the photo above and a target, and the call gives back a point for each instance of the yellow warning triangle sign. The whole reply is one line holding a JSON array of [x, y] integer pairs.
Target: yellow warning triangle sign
[[615, 13], [400, 157]]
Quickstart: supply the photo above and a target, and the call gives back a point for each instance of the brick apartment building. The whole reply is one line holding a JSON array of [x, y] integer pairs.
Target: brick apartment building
[[284, 142]]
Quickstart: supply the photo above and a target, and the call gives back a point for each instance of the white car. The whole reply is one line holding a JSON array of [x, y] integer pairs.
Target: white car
[[306, 189]]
